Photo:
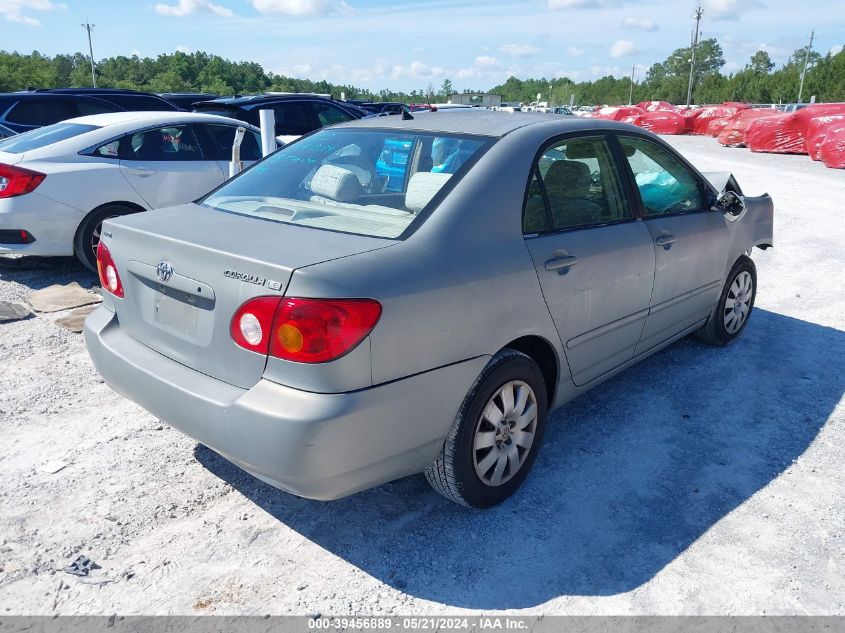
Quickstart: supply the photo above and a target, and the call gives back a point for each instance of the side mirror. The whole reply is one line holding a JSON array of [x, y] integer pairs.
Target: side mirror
[[730, 202]]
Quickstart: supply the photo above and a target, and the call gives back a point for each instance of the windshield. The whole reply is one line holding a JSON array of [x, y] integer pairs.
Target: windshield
[[36, 139], [368, 182]]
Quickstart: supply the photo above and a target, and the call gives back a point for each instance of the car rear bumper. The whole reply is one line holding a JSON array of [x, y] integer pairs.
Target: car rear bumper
[[320, 446], [51, 223]]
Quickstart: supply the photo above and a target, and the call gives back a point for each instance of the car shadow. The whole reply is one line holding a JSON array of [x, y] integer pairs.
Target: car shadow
[[39, 272], [631, 475]]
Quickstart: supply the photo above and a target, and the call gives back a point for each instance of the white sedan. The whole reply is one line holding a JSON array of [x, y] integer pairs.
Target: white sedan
[[58, 183]]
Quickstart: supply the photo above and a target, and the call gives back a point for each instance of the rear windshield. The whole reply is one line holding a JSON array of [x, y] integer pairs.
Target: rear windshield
[[367, 182], [36, 139]]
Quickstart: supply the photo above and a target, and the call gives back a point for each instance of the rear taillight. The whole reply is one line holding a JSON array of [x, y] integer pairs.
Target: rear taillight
[[321, 330], [303, 330], [252, 325], [107, 270], [17, 181]]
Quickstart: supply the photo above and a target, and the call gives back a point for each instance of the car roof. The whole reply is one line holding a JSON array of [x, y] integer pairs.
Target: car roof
[[116, 118], [480, 122], [264, 98]]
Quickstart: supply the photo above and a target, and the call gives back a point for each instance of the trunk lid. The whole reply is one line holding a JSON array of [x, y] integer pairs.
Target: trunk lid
[[217, 261], [7, 158]]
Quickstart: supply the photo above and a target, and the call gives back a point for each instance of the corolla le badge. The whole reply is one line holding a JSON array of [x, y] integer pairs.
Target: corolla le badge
[[164, 270]]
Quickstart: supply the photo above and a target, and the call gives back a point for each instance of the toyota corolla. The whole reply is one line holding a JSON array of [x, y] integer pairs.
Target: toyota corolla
[[329, 327]]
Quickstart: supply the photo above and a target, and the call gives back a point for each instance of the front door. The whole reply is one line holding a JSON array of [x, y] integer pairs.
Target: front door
[[690, 240], [166, 166], [595, 261]]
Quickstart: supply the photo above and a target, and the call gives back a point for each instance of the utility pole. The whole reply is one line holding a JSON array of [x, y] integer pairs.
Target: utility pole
[[89, 28], [631, 92], [804, 70], [698, 13]]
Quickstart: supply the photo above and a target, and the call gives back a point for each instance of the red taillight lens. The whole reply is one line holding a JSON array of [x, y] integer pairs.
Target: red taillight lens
[[17, 181], [107, 270], [252, 325], [321, 330]]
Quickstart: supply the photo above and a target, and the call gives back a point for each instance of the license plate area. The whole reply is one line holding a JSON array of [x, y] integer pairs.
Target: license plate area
[[176, 313]]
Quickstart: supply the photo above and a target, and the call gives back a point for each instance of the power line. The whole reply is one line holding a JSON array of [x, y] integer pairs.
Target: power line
[[698, 13], [804, 70], [89, 28]]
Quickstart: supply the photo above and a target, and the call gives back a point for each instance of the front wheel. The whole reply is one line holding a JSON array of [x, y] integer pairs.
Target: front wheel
[[496, 434], [733, 310]]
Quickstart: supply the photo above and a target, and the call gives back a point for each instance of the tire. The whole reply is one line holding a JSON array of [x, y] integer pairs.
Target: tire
[[88, 234], [455, 472], [728, 319]]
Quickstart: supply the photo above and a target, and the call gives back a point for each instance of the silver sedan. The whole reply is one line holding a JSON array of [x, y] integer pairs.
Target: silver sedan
[[403, 295]]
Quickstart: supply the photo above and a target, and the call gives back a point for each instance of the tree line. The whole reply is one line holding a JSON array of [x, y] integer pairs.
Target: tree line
[[758, 82]]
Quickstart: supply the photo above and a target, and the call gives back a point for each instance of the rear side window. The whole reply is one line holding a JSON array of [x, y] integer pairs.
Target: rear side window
[[86, 108], [41, 111], [36, 139], [221, 138], [172, 143], [665, 184], [575, 184], [329, 115]]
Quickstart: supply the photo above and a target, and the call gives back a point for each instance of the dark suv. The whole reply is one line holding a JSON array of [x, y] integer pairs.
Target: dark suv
[[187, 100], [131, 100], [24, 111], [296, 113]]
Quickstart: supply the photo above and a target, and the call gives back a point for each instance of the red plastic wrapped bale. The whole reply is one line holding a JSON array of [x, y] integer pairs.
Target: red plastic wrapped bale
[[832, 150], [707, 114], [663, 122], [817, 129], [785, 134], [715, 127], [656, 106], [734, 133], [617, 113]]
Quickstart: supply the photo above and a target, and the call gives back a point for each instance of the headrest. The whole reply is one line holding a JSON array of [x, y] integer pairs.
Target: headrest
[[422, 187], [568, 179], [336, 183]]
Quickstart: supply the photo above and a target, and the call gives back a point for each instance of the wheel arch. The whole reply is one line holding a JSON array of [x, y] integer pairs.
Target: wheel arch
[[136, 208], [543, 353]]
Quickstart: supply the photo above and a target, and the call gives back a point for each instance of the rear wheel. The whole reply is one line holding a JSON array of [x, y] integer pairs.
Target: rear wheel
[[496, 434], [88, 234], [735, 304]]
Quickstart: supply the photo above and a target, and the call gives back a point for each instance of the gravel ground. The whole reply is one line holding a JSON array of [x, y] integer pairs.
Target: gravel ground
[[703, 481]]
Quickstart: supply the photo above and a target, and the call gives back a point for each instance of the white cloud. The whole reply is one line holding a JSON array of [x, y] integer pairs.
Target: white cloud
[[135, 53], [416, 70], [13, 10], [835, 49], [574, 51], [181, 48], [486, 61], [292, 7], [191, 7], [645, 24], [729, 9], [576, 4], [519, 50], [623, 48]]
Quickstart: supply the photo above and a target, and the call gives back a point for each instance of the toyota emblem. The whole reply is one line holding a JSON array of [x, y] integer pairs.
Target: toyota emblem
[[164, 270]]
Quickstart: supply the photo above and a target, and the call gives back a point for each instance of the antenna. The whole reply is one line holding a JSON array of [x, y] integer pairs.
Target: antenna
[[804, 70], [89, 28], [698, 13]]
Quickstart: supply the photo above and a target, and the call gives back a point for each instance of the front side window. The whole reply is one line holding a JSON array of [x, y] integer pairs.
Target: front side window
[[292, 119], [223, 136], [367, 182], [36, 139], [665, 184], [581, 186], [329, 115], [172, 143]]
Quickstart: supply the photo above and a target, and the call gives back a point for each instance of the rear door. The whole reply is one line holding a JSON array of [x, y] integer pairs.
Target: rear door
[[166, 165], [690, 240], [594, 259]]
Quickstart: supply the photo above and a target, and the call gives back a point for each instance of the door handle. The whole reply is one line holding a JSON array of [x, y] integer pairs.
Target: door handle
[[561, 264], [667, 239], [136, 171]]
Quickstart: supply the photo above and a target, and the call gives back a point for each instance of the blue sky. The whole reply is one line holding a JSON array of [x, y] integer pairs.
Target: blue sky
[[406, 44]]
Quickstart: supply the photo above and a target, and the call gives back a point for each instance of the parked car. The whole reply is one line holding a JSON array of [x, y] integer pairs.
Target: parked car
[[58, 183], [187, 100], [6, 132], [130, 100], [296, 113], [328, 335], [385, 107], [24, 111]]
